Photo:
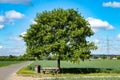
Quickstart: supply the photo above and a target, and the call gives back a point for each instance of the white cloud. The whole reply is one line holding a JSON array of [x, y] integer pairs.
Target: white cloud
[[26, 2], [99, 24], [1, 19], [1, 26], [33, 22], [112, 4], [13, 15], [16, 50], [97, 41], [1, 47], [16, 38], [118, 36], [10, 17], [23, 33], [94, 30]]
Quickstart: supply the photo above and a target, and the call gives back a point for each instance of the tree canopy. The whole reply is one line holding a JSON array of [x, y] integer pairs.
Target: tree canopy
[[59, 32]]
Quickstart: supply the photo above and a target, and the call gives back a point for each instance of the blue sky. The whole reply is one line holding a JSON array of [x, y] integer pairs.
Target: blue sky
[[17, 15]]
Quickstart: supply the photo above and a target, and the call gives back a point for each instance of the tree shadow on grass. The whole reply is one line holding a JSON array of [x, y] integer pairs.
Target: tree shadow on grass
[[84, 70]]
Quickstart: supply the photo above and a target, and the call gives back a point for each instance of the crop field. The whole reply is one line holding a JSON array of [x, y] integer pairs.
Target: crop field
[[6, 63], [94, 66]]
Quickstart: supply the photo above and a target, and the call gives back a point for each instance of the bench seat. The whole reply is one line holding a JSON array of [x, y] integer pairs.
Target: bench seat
[[50, 69]]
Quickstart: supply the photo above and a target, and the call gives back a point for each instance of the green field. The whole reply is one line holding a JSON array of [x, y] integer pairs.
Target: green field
[[7, 63], [94, 66]]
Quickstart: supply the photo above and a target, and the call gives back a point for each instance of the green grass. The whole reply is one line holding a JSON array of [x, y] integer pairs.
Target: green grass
[[25, 70], [7, 63]]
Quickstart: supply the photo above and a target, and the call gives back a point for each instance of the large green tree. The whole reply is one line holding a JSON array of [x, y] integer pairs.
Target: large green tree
[[59, 32]]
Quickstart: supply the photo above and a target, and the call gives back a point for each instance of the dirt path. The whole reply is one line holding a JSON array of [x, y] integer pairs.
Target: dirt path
[[7, 72], [16, 77]]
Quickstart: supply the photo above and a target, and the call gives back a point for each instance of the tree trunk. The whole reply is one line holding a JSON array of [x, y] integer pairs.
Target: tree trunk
[[58, 62]]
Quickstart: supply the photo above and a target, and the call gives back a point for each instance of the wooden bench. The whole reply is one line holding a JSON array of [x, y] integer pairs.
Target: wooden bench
[[50, 69]]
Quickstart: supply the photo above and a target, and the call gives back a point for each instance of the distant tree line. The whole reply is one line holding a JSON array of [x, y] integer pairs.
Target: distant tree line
[[105, 57], [16, 58], [27, 57]]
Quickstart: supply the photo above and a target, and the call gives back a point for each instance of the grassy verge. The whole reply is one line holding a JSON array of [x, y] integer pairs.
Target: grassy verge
[[8, 63], [25, 70]]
